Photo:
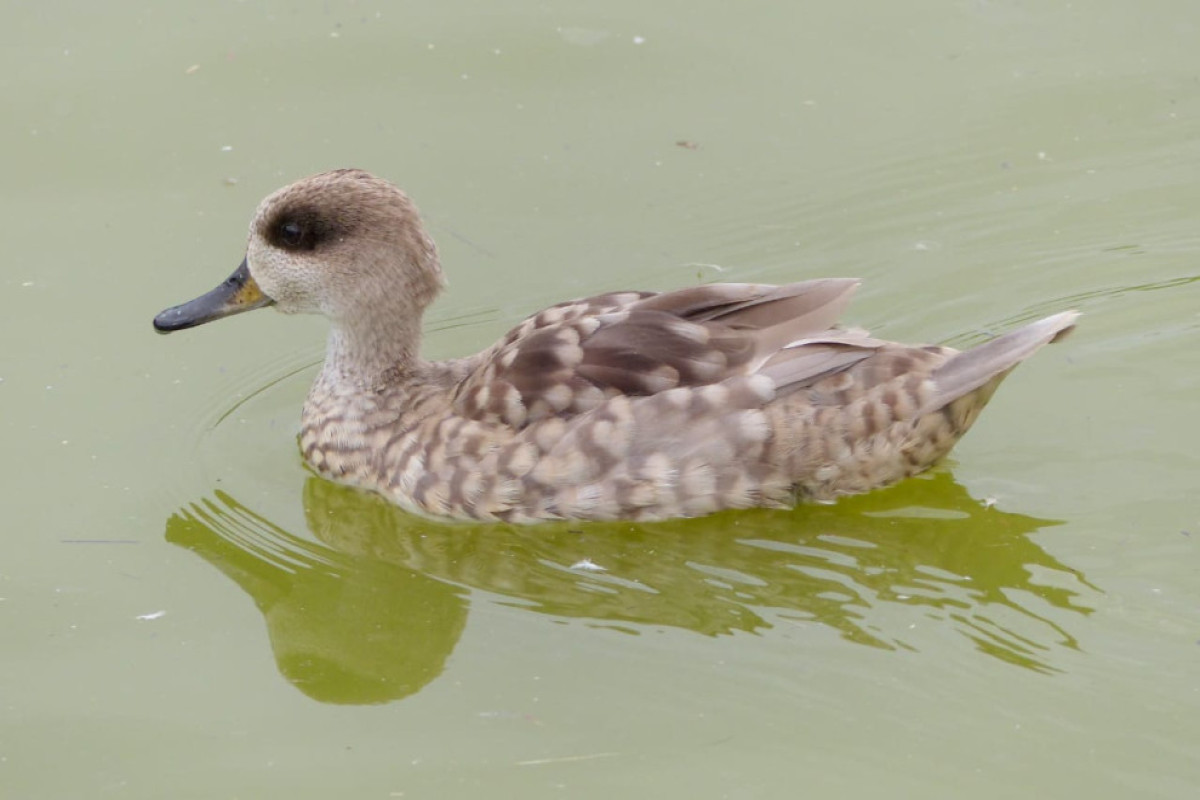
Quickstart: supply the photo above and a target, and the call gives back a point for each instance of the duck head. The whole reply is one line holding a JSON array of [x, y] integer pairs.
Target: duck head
[[343, 244]]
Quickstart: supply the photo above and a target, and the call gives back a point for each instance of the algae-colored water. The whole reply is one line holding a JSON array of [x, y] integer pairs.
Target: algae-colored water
[[186, 612]]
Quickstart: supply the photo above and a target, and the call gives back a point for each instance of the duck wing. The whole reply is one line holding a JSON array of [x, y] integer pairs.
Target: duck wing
[[571, 357]]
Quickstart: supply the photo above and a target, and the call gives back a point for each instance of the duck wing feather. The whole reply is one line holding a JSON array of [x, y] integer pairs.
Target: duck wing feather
[[571, 357]]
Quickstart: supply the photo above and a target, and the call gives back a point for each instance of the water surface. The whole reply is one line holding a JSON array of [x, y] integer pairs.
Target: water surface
[[186, 612]]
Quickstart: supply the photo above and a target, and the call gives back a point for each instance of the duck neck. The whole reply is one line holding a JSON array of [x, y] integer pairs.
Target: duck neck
[[361, 355]]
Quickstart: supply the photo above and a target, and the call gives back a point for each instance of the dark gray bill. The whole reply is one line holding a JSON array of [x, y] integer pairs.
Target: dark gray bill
[[238, 293]]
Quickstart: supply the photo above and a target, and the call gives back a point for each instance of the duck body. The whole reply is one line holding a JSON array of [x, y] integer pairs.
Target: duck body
[[628, 405]]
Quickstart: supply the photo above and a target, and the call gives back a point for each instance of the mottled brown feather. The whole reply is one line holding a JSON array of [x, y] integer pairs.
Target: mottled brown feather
[[639, 344]]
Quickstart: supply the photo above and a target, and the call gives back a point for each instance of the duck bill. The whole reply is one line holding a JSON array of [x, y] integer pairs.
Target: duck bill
[[238, 293]]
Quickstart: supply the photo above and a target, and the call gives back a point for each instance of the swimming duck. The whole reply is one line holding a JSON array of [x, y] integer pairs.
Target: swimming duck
[[626, 405]]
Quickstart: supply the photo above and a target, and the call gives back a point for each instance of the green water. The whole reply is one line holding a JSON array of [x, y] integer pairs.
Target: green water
[[185, 612]]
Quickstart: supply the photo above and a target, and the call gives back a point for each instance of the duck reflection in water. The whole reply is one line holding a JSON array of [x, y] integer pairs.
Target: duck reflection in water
[[371, 613]]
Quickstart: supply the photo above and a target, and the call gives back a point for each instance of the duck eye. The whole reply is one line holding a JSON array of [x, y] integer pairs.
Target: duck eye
[[298, 229], [291, 234]]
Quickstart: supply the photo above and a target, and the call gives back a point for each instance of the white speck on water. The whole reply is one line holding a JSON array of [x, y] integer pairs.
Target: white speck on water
[[227, 148], [587, 565], [27, 283], [153, 615], [639, 40]]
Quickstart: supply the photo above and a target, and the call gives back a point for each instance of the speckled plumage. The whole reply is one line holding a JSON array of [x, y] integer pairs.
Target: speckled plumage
[[624, 405]]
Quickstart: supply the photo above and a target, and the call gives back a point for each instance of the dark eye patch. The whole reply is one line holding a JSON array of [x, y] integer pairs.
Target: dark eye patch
[[299, 229]]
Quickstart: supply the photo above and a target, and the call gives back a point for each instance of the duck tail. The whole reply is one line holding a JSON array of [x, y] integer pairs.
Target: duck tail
[[991, 361]]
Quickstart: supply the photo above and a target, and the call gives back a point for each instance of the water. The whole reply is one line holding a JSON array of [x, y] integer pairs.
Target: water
[[186, 612]]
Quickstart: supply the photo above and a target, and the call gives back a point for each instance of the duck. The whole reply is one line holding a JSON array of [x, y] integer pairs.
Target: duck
[[627, 405]]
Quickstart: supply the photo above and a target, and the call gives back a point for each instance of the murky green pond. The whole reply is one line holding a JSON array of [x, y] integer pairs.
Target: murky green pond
[[186, 612]]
